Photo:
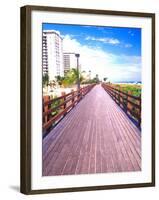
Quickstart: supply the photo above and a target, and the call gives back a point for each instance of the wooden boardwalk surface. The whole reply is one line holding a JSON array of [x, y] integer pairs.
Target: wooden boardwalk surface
[[95, 137]]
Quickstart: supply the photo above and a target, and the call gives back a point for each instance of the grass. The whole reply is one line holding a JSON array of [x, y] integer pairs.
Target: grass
[[54, 105], [134, 90]]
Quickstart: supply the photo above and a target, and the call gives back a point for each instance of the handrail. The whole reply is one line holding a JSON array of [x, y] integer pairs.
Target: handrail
[[129, 103], [64, 104], [129, 95], [57, 98], [61, 104]]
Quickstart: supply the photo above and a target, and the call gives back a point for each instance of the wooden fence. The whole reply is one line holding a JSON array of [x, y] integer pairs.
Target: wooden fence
[[129, 103], [57, 108]]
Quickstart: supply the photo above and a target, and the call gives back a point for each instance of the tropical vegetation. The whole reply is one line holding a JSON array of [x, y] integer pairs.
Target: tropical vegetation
[[134, 89], [69, 79]]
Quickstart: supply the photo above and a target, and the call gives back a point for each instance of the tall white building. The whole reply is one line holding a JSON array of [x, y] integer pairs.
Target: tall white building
[[70, 61], [52, 54]]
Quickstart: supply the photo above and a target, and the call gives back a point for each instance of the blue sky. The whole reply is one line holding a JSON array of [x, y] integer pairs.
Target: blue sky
[[116, 51]]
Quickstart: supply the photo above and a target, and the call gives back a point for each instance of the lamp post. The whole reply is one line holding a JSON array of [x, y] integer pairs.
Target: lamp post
[[78, 80], [89, 74]]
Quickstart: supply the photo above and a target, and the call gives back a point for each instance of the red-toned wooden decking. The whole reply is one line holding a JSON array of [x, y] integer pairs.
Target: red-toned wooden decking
[[95, 137]]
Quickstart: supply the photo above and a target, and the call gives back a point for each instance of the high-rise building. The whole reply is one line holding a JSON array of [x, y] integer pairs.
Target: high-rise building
[[70, 61], [52, 54], [44, 54]]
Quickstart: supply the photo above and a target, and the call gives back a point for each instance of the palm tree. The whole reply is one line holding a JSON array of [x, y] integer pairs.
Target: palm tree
[[77, 74], [97, 78], [71, 77], [89, 74], [59, 79], [45, 79], [105, 79]]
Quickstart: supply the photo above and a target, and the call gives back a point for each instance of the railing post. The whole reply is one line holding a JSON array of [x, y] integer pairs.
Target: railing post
[[72, 96], [116, 93], [119, 95], [139, 119], [78, 96], [64, 99], [46, 107], [43, 110], [81, 92], [84, 91], [87, 89], [129, 106], [125, 102]]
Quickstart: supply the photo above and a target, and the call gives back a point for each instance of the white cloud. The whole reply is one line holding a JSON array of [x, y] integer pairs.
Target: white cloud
[[103, 63], [129, 59], [128, 45], [124, 72], [111, 41], [131, 33], [105, 40]]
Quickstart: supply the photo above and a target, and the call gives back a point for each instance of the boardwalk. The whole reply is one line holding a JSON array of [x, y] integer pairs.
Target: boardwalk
[[95, 137]]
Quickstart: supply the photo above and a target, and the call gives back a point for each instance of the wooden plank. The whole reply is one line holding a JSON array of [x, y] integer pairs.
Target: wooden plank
[[92, 167], [77, 150], [57, 149], [135, 139], [127, 144], [125, 161], [73, 156], [95, 137], [57, 132], [85, 148], [98, 148]]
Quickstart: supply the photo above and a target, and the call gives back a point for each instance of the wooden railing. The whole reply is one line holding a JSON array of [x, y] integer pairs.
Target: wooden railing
[[129, 103], [57, 108]]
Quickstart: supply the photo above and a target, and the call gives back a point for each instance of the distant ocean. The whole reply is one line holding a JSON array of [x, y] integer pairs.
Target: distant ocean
[[129, 82]]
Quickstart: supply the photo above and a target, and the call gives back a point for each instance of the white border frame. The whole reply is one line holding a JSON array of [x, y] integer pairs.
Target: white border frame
[[39, 182]]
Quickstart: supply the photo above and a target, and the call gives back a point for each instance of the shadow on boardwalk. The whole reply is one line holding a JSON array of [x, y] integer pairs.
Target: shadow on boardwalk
[[95, 137]]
